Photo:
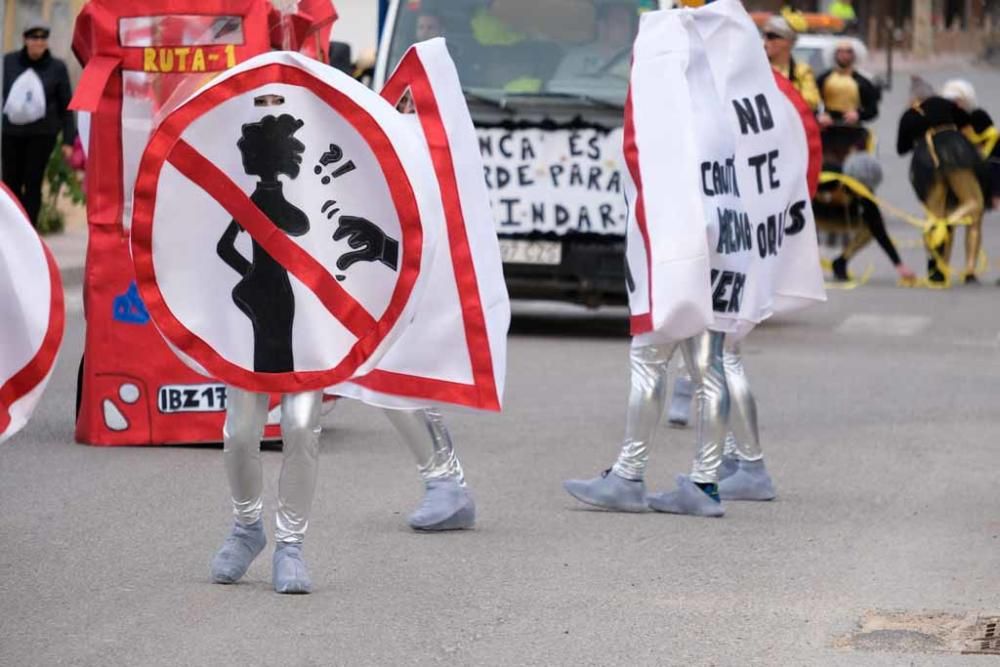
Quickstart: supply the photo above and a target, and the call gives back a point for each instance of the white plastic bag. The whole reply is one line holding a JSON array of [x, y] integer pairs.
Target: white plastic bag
[[26, 100]]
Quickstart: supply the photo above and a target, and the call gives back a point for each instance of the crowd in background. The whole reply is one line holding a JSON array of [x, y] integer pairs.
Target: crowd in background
[[955, 164]]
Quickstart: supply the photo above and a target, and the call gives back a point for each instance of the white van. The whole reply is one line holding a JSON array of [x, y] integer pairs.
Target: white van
[[546, 81]]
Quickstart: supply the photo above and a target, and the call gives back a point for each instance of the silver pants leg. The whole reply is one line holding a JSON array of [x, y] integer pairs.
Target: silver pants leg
[[743, 440], [703, 357], [426, 435], [246, 414], [300, 431], [647, 396]]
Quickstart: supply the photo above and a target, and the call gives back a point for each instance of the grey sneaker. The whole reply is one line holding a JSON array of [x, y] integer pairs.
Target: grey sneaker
[[610, 492], [687, 499], [289, 573], [233, 559], [728, 468], [447, 505], [750, 482]]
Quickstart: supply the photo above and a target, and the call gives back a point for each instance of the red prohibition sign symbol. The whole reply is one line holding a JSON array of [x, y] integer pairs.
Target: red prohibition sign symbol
[[168, 146]]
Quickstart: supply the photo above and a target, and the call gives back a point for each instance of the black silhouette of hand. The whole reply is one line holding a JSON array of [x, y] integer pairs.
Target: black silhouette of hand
[[369, 242]]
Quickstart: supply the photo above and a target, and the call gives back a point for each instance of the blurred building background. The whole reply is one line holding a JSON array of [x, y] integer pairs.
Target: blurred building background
[[60, 14], [923, 27]]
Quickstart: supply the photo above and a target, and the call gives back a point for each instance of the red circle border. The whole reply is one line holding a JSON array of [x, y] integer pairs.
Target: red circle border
[[157, 152]]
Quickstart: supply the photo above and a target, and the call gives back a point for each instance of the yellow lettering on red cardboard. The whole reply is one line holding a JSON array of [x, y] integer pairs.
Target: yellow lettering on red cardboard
[[183, 59], [198, 61]]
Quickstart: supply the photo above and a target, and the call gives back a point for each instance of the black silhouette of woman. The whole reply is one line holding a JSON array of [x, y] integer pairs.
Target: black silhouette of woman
[[264, 293]]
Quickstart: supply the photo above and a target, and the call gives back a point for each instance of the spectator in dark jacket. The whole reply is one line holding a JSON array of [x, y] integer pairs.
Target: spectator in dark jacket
[[26, 148]]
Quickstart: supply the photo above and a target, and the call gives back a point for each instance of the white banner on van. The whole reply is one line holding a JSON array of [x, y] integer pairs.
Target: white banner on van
[[555, 181]]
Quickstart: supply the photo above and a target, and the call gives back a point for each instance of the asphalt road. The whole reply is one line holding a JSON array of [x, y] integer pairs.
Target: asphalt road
[[879, 419]]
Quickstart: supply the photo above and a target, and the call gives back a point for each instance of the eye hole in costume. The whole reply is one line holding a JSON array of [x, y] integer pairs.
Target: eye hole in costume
[[268, 101]]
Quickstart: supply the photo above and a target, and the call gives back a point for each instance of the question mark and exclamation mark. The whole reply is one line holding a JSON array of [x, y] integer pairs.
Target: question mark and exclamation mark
[[331, 157]]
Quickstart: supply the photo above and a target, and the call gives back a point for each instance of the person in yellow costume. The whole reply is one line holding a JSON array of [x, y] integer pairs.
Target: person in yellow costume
[[849, 99], [779, 38], [982, 131], [490, 30], [945, 172], [843, 10], [528, 55]]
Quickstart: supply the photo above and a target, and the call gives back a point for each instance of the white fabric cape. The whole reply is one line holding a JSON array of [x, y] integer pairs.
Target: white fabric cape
[[32, 316], [454, 351], [793, 278], [681, 187], [689, 246]]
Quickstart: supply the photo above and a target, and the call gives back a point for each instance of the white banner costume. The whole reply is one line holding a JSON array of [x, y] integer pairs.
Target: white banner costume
[[454, 351], [731, 40], [32, 313], [349, 226], [722, 234], [743, 475]]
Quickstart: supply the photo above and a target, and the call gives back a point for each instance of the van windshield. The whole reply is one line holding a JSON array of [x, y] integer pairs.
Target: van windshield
[[546, 48]]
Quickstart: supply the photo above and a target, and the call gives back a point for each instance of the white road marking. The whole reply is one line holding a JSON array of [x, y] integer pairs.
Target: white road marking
[[884, 325]]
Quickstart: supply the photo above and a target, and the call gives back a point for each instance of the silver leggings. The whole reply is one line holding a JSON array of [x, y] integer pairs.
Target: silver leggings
[[246, 414], [426, 435], [423, 431], [647, 396], [743, 439]]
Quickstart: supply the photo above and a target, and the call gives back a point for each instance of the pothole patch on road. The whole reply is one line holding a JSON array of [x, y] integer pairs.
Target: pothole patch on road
[[924, 632], [987, 639]]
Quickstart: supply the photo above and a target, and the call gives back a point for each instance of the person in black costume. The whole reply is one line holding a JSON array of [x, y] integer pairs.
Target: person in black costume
[[982, 132], [265, 292], [946, 172], [837, 203]]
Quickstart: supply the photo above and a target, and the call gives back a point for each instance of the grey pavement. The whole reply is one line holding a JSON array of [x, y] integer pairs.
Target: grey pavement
[[879, 419], [70, 249]]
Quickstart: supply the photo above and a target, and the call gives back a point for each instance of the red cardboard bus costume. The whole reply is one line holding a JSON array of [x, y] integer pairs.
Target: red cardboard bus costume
[[141, 58]]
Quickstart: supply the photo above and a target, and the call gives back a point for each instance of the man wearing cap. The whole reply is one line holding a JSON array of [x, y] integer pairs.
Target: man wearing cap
[[28, 145], [779, 38]]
